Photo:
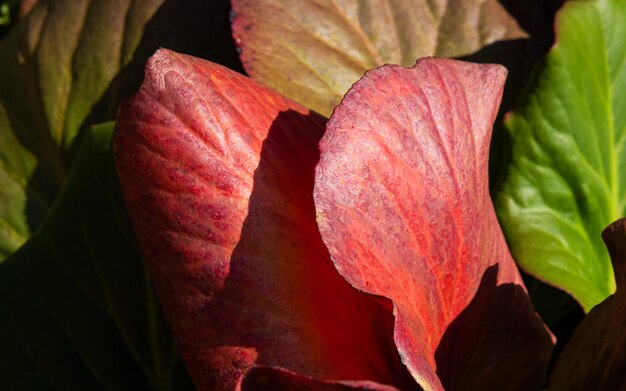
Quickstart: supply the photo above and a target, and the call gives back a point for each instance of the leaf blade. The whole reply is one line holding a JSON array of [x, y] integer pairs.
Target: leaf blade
[[344, 39], [594, 356], [217, 173], [65, 66], [404, 209], [568, 156], [75, 296]]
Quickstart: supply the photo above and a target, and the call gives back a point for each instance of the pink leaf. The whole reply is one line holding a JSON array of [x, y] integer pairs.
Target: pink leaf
[[404, 209], [217, 173]]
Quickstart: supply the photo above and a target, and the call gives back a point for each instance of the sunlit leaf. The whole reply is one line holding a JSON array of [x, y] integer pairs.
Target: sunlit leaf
[[313, 50], [567, 181], [595, 356], [65, 66], [217, 173], [403, 206]]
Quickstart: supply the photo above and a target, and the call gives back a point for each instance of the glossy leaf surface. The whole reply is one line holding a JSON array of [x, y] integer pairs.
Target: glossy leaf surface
[[66, 66], [566, 181], [313, 50], [403, 206], [78, 310], [595, 356], [217, 173]]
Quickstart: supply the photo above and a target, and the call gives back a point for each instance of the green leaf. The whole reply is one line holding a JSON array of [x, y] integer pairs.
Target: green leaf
[[66, 66], [567, 177], [5, 13], [78, 310], [594, 357], [8, 10], [312, 51]]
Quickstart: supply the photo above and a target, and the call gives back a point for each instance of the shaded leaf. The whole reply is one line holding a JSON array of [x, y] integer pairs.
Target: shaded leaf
[[403, 206], [217, 173], [566, 181], [78, 310], [536, 17], [595, 357], [264, 379], [312, 51], [65, 66]]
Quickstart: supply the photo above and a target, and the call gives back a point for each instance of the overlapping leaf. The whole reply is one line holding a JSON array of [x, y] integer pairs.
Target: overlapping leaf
[[566, 181], [217, 174], [404, 209], [78, 310], [595, 356], [66, 66], [313, 50]]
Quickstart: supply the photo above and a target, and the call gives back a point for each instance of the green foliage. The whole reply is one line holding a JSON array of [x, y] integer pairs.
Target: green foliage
[[8, 8], [567, 178], [5, 13], [65, 67], [77, 305]]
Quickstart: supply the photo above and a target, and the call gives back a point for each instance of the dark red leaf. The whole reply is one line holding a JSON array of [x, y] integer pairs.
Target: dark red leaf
[[217, 173], [404, 209]]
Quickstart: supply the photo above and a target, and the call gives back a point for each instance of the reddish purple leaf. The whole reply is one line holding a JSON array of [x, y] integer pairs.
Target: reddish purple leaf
[[217, 173], [404, 209], [595, 356]]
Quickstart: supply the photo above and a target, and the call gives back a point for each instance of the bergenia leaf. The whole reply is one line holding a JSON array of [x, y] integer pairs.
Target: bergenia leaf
[[566, 180], [312, 51], [67, 65], [595, 356], [217, 173], [78, 310], [403, 206]]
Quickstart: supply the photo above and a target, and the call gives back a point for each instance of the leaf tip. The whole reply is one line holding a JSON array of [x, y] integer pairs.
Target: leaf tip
[[614, 237]]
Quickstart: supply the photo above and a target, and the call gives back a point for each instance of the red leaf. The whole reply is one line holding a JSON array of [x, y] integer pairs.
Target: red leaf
[[217, 173], [404, 209]]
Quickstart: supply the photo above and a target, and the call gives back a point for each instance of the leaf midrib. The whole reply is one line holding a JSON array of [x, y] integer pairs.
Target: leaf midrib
[[614, 168]]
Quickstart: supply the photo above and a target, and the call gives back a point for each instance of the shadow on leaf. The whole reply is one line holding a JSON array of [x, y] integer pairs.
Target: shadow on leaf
[[475, 351]]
